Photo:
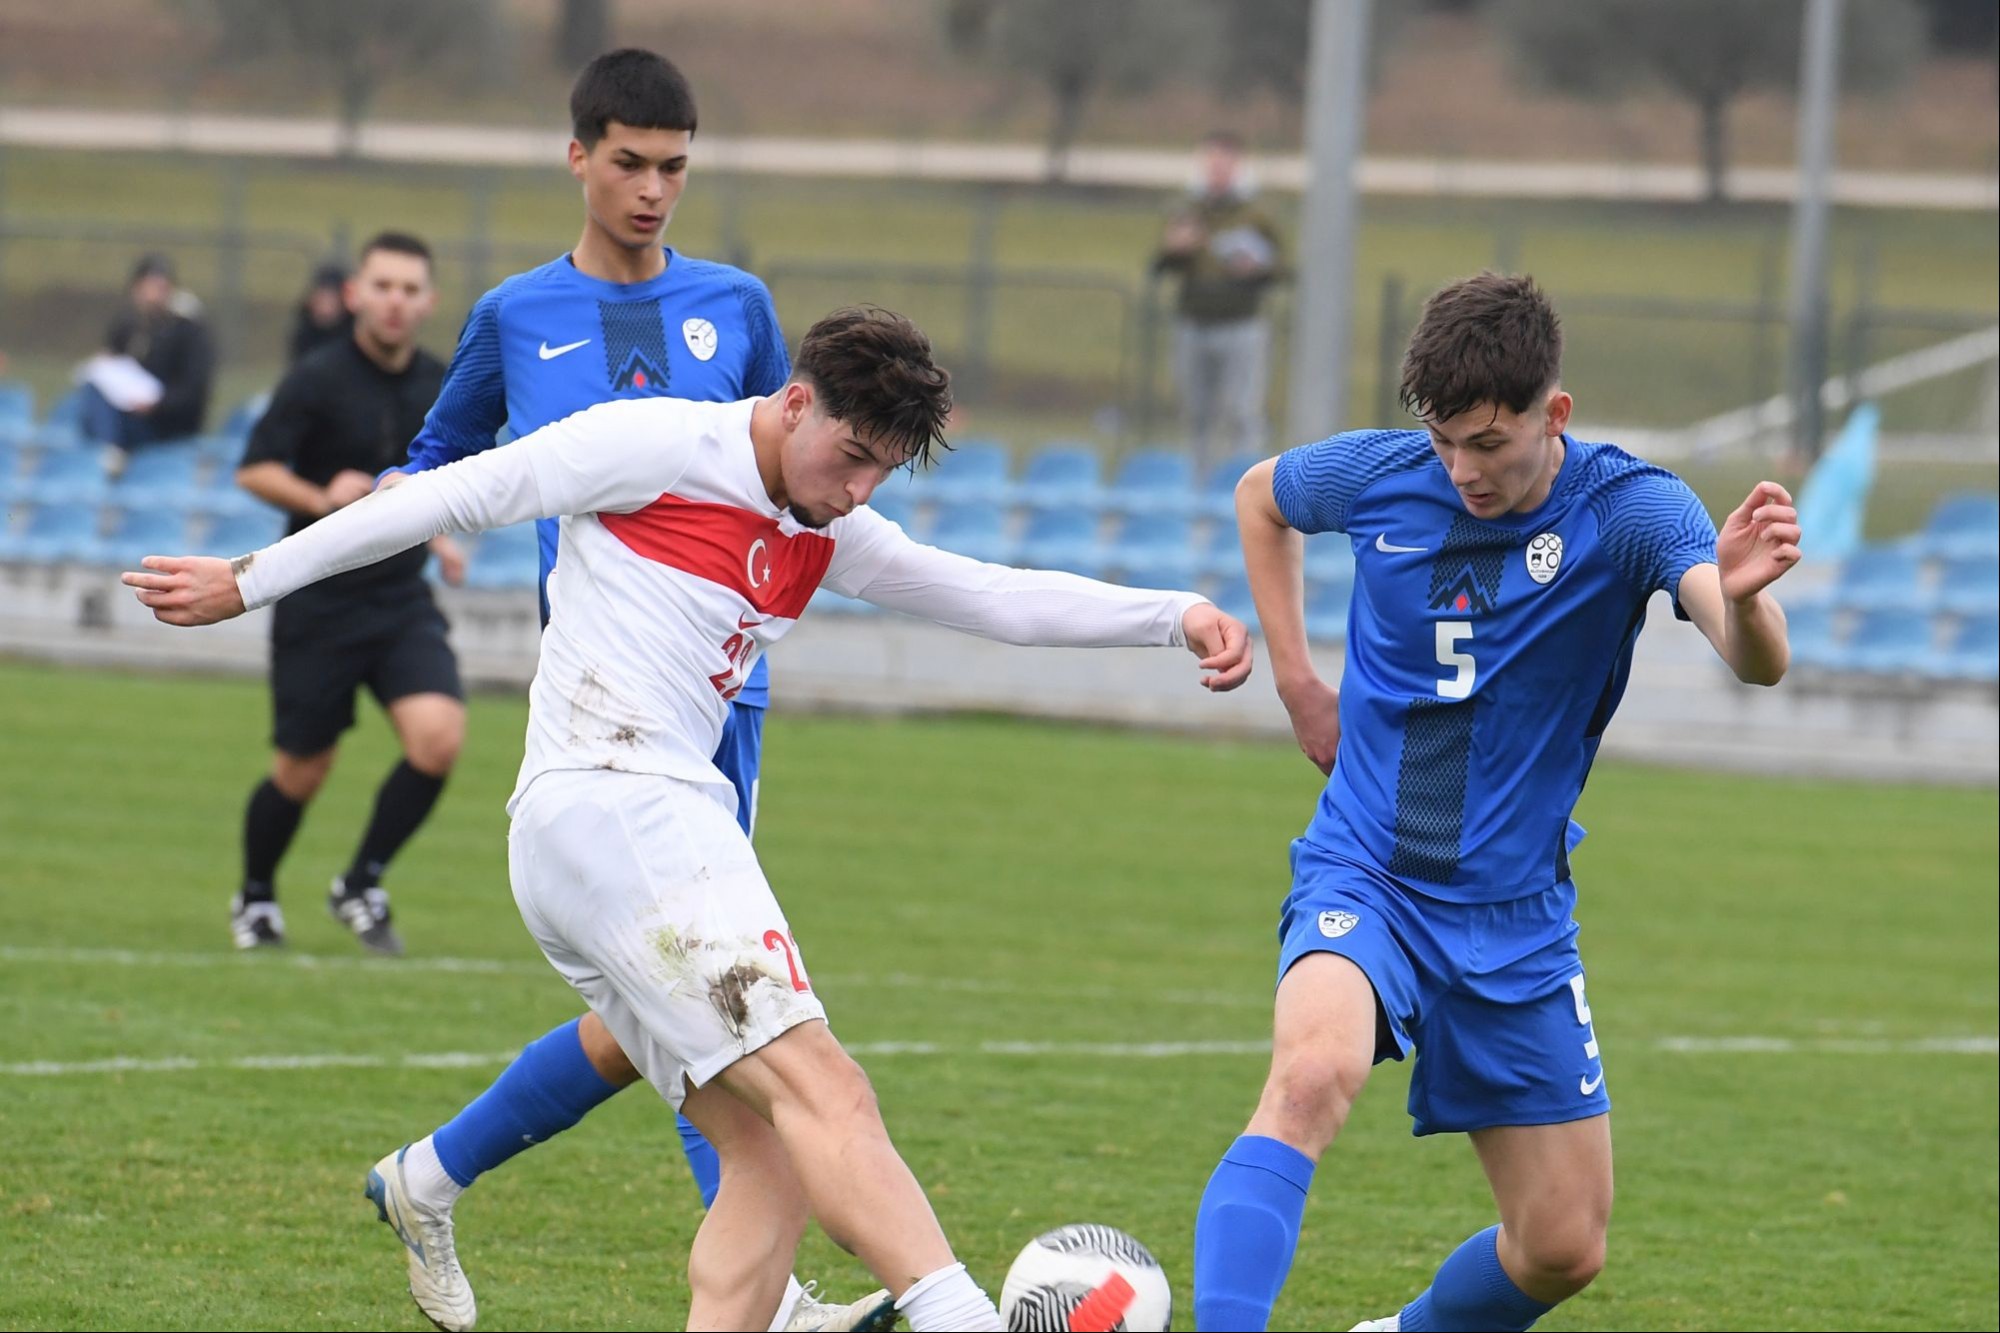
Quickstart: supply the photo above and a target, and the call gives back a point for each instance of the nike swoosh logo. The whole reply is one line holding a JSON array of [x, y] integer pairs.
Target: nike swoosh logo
[[549, 353], [745, 622], [416, 1246], [1382, 545], [1586, 1086]]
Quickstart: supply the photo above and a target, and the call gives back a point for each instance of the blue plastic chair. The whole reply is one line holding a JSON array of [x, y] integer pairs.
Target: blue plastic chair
[[976, 530], [14, 473], [1964, 524], [974, 471], [1059, 475], [1326, 609], [69, 476], [1218, 488], [1882, 578], [893, 501], [1064, 539], [1969, 585], [509, 557], [827, 602], [138, 533], [17, 402], [1233, 595], [235, 534], [1330, 559], [1975, 650], [1897, 642], [1810, 628], [1162, 545], [162, 476], [1153, 481], [243, 417], [58, 533], [1165, 571]]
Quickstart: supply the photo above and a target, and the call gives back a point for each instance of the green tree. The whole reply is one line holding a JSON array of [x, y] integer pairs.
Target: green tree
[[1710, 52]]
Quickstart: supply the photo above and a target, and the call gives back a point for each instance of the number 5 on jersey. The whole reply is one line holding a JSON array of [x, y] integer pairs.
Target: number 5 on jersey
[[1449, 633]]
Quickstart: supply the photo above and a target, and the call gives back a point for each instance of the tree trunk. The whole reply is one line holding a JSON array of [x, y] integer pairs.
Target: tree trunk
[[1071, 90], [1715, 146]]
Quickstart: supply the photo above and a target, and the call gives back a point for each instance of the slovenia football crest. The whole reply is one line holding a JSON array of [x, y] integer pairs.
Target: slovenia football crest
[[700, 337], [1335, 924], [1545, 556]]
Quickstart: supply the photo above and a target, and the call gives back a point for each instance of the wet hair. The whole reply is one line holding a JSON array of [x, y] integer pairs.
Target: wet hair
[[1491, 338], [872, 370], [634, 87]]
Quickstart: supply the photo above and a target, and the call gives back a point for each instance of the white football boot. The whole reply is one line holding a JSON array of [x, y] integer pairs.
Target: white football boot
[[873, 1313], [437, 1283], [1391, 1324]]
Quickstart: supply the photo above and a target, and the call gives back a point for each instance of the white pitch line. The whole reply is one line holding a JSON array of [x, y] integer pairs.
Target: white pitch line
[[1094, 1050]]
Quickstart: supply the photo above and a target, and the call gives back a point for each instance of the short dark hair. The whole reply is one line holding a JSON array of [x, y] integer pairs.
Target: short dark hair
[[153, 264], [872, 370], [635, 87], [1491, 338], [396, 243], [1225, 139]]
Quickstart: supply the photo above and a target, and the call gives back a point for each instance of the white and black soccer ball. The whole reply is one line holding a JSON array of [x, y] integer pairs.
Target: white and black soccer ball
[[1086, 1277]]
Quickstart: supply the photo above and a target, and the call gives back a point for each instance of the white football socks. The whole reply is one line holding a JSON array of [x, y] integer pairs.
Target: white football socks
[[424, 1176], [790, 1303], [950, 1299]]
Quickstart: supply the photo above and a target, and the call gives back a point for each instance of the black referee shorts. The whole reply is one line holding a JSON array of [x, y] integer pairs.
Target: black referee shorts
[[320, 655]]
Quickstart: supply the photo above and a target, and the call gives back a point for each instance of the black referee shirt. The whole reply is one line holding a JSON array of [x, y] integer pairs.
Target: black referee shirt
[[337, 410]]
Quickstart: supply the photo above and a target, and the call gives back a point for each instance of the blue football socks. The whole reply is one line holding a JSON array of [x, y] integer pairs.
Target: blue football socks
[[1472, 1290], [1246, 1231], [550, 1086]]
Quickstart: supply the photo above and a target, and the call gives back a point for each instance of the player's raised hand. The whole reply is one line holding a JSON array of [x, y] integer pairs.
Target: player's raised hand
[[1222, 642], [1758, 542], [188, 589]]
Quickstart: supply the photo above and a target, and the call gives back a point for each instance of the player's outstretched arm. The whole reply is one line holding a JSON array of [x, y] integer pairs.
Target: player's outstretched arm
[[1274, 563], [1728, 600], [188, 589]]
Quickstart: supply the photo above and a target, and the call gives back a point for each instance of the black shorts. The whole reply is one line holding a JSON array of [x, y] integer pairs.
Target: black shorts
[[321, 654]]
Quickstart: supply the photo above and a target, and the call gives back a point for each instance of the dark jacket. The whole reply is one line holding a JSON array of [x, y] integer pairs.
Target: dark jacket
[[1230, 225], [179, 353]]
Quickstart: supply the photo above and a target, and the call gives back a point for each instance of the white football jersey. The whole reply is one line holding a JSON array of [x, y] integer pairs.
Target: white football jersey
[[676, 571]]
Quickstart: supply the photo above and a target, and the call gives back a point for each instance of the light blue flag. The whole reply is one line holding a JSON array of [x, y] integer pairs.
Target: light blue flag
[[1834, 500]]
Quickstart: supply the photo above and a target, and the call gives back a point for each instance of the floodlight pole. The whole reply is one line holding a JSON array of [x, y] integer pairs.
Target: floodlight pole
[[1819, 82], [1323, 315]]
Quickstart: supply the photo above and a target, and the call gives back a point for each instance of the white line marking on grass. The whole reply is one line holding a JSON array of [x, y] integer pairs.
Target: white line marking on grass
[[1094, 1050]]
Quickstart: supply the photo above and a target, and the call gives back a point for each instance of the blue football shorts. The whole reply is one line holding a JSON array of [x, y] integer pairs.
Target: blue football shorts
[[1489, 995], [740, 756]]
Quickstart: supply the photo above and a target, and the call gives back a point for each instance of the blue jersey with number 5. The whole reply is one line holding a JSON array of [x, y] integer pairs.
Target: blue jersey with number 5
[[1484, 657]]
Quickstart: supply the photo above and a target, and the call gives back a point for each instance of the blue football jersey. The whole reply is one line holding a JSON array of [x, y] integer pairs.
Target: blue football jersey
[[553, 341], [1484, 657]]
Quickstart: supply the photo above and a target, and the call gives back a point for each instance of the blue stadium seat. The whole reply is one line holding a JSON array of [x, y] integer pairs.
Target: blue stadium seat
[[13, 473], [1891, 642], [1326, 608], [1965, 524], [1330, 559], [235, 534], [1218, 488], [1974, 653], [244, 416], [57, 533], [17, 402], [1810, 628], [1161, 544], [1168, 572], [1233, 595], [222, 496], [893, 501], [509, 557], [1969, 585], [161, 477], [1882, 578], [974, 471], [827, 602], [138, 533], [978, 530], [1060, 474], [1153, 481], [224, 451], [69, 476], [1063, 538]]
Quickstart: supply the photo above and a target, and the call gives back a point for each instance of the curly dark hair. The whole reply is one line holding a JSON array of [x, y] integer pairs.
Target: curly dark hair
[[1491, 338], [872, 370]]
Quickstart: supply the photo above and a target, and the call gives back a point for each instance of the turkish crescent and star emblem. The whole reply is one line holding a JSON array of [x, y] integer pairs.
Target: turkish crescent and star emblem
[[757, 565]]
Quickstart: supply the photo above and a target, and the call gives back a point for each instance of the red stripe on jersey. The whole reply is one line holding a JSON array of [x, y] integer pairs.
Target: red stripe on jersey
[[733, 547]]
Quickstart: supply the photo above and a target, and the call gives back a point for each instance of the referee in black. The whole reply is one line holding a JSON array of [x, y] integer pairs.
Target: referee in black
[[341, 415]]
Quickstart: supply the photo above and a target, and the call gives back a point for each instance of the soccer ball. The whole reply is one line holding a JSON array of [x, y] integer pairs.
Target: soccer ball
[[1086, 1278]]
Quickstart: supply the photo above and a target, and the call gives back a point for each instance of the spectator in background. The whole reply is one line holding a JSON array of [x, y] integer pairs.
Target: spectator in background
[[1227, 251], [162, 331], [322, 316]]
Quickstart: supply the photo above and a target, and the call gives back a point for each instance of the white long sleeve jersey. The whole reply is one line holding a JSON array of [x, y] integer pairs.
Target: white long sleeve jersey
[[676, 571]]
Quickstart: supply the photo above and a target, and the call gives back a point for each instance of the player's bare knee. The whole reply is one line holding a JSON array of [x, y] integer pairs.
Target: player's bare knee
[[299, 777], [1306, 1100], [1571, 1255]]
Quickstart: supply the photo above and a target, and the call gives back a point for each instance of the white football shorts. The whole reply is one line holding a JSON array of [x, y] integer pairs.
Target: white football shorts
[[645, 894]]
